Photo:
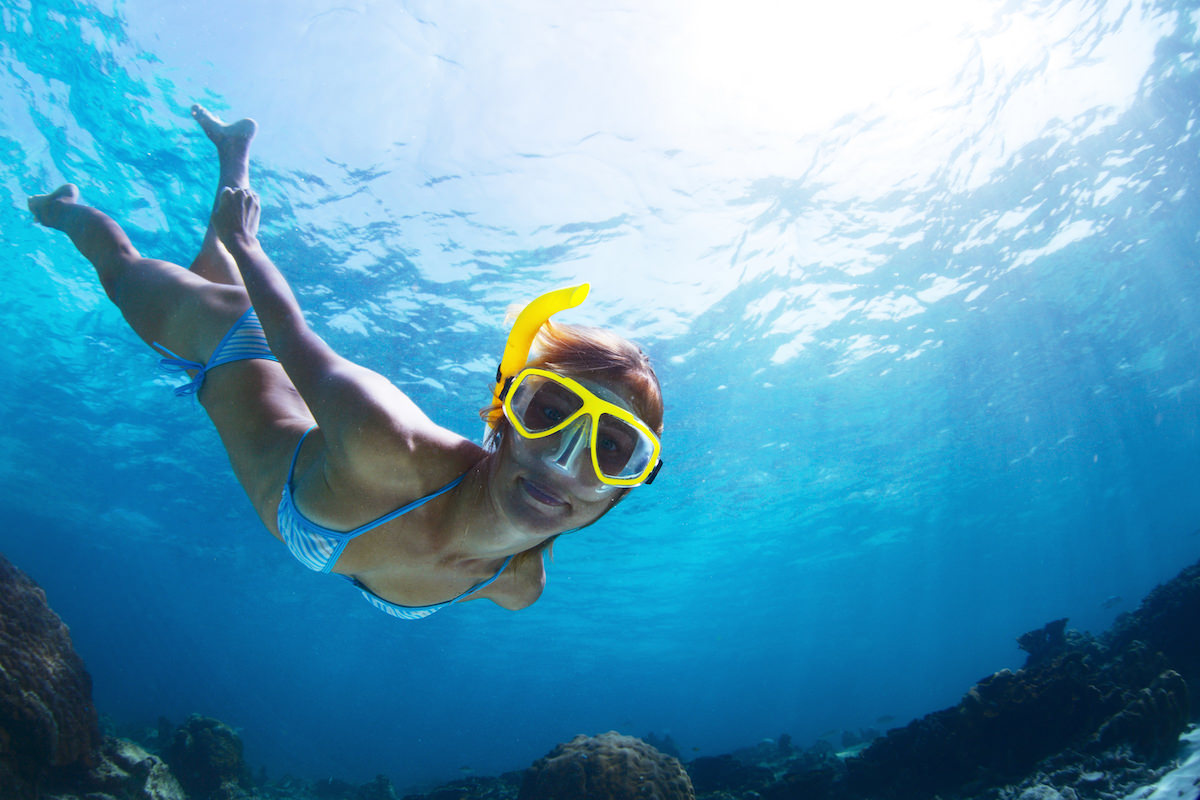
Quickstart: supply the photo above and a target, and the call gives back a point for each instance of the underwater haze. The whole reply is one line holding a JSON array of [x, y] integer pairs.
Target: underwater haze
[[921, 283]]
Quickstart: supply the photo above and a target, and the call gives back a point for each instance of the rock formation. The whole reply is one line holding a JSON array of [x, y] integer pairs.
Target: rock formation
[[1126, 689], [206, 756], [1168, 621], [1087, 716], [48, 724], [606, 767]]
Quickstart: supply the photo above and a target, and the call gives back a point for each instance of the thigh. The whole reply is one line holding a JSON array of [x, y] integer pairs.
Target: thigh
[[260, 418], [171, 306], [257, 411]]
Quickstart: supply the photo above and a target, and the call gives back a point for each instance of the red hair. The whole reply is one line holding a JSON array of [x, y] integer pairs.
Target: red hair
[[598, 355]]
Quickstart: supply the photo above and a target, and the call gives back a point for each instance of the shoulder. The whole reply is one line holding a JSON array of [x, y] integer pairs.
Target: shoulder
[[368, 423], [410, 456], [522, 582]]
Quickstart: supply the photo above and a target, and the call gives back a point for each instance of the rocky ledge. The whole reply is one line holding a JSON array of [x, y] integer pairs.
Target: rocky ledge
[[1086, 718]]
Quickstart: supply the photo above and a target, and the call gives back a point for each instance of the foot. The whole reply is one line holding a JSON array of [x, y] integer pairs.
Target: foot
[[233, 144], [45, 206]]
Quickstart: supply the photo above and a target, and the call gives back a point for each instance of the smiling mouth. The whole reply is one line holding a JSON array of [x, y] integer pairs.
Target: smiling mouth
[[541, 494]]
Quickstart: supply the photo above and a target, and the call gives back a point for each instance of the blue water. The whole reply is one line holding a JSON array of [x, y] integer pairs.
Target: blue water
[[922, 285]]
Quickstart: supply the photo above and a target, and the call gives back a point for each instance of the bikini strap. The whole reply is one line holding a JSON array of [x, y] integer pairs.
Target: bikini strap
[[419, 612], [399, 512], [484, 584], [296, 453], [177, 363]]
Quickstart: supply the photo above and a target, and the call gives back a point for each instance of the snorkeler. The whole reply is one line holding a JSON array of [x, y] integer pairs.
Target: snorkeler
[[341, 465]]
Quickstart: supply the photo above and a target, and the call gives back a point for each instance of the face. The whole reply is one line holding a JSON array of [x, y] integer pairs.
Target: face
[[549, 483]]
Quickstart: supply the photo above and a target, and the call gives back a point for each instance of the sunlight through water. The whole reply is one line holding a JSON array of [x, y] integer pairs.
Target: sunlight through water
[[920, 282]]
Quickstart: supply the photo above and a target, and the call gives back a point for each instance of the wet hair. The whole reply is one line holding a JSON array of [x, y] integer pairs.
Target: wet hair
[[593, 354]]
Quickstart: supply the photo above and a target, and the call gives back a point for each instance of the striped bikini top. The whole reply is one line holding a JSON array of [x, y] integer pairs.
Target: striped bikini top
[[319, 548]]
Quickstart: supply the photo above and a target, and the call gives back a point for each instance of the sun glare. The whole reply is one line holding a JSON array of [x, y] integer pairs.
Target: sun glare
[[792, 68]]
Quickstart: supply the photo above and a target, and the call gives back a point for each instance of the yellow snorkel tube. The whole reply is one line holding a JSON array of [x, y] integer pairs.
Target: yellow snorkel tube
[[524, 330]]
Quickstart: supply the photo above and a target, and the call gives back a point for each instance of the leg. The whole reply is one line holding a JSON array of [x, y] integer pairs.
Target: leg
[[161, 301], [233, 155], [256, 410]]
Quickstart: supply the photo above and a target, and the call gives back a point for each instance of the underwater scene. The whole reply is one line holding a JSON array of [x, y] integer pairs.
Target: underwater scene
[[921, 287]]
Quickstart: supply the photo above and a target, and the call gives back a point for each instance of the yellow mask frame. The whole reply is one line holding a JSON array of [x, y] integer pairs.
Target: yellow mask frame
[[643, 450]]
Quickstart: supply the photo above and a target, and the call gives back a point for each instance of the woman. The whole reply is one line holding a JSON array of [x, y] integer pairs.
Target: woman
[[340, 464]]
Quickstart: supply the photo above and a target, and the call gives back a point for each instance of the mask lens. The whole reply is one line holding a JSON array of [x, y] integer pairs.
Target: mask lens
[[542, 405], [622, 451]]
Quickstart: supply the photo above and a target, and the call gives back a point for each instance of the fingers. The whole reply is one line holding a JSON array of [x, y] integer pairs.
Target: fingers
[[236, 215], [230, 194], [234, 204]]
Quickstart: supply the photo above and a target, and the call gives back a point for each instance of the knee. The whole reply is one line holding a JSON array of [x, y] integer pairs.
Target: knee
[[115, 270]]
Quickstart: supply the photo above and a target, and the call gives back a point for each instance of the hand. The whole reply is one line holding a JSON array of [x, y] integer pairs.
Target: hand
[[235, 219]]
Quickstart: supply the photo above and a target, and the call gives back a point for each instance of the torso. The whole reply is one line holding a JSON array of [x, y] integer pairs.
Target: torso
[[411, 560], [419, 558]]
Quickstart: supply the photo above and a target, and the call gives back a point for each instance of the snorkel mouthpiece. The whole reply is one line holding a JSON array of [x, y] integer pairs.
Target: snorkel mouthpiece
[[524, 330]]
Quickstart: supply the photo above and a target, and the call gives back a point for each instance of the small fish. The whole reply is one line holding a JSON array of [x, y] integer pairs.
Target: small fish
[[885, 719], [465, 768], [1112, 601]]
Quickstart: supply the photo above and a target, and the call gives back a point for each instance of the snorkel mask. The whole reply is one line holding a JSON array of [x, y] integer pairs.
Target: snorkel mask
[[622, 449]]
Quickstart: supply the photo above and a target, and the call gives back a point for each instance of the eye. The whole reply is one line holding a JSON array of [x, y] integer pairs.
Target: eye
[[549, 406], [615, 445]]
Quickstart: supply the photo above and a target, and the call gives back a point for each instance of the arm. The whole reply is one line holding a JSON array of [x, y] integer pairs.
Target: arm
[[360, 412]]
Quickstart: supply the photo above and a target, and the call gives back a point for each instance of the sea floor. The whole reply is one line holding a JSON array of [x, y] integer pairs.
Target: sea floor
[[1181, 783]]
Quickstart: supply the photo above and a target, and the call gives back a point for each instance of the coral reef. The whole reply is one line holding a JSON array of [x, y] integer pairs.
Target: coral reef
[[48, 725], [1086, 718], [1168, 621], [506, 787], [1045, 642], [1009, 722], [50, 738], [606, 767], [124, 770], [206, 757], [1125, 693], [725, 773]]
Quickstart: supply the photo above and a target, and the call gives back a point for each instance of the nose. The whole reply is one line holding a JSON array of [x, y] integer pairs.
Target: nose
[[572, 444]]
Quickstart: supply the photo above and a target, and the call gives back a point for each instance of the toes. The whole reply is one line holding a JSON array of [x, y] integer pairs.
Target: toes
[[210, 124], [37, 207], [39, 204]]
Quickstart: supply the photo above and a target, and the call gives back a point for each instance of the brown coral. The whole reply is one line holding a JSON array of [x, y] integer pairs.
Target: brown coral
[[606, 767], [47, 719], [1085, 697], [206, 756]]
